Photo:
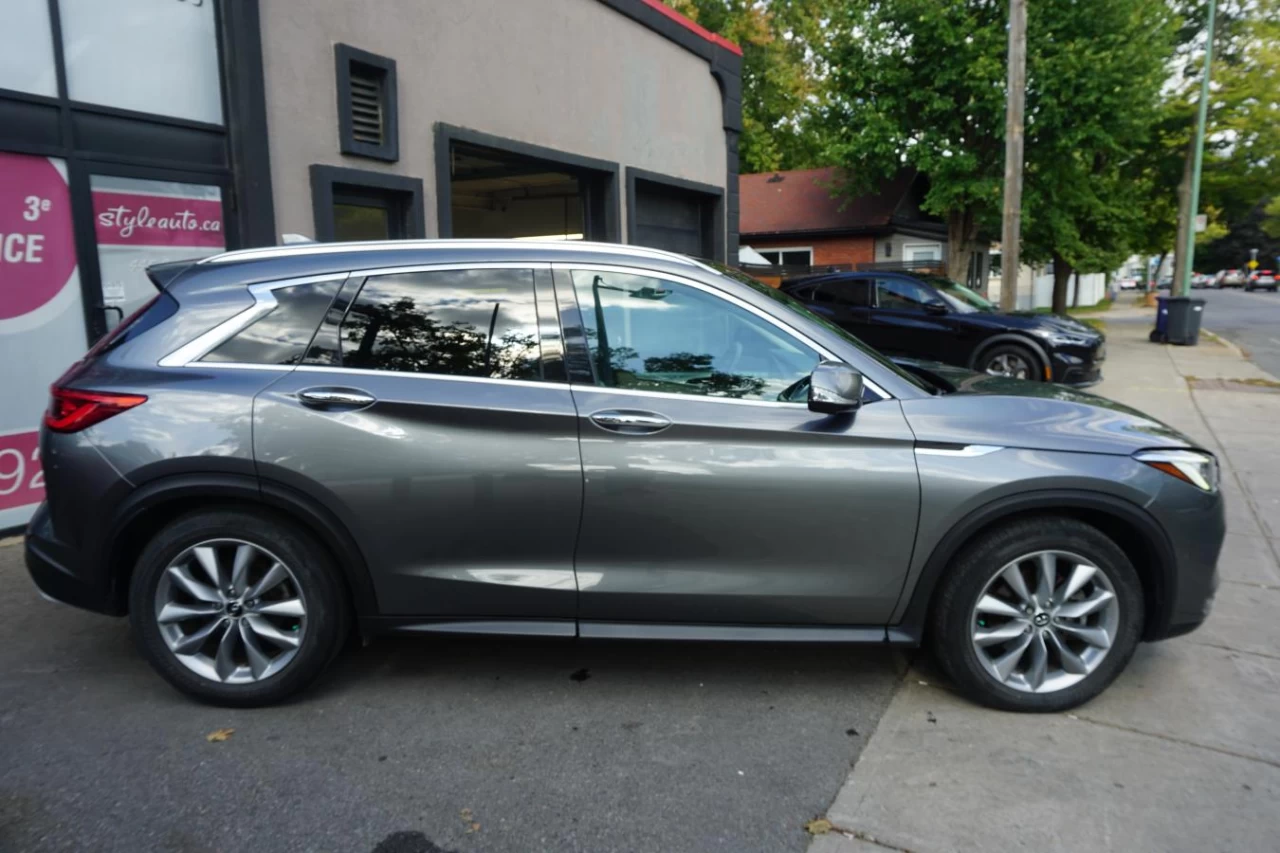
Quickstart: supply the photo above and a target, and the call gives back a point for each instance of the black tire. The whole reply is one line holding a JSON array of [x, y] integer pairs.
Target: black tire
[[958, 594], [327, 609], [1035, 371]]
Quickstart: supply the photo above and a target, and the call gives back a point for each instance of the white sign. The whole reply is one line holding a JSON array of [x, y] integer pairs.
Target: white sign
[[41, 317], [154, 56], [1202, 222]]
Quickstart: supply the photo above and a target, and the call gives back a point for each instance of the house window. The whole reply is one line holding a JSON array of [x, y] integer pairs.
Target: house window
[[352, 204], [788, 257], [888, 249], [368, 123], [922, 252]]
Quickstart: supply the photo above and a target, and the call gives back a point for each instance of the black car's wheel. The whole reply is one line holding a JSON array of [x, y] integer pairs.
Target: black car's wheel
[[1010, 360], [1039, 615], [235, 608]]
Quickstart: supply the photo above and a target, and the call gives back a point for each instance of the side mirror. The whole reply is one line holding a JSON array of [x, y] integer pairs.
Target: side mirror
[[935, 308], [834, 388]]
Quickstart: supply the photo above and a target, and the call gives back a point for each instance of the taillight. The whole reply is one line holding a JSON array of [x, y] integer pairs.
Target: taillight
[[72, 411]]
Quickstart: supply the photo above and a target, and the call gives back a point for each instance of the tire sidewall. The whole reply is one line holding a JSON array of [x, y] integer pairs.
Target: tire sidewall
[[311, 568], [976, 568]]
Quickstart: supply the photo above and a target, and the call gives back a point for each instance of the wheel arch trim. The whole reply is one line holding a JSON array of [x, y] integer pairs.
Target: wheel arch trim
[[210, 488], [912, 612], [1011, 338]]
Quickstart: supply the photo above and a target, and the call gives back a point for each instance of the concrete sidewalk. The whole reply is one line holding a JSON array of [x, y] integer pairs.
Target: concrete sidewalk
[[1183, 751]]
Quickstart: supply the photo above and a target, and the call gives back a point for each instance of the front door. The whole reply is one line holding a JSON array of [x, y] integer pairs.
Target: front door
[[710, 496], [430, 419], [910, 319]]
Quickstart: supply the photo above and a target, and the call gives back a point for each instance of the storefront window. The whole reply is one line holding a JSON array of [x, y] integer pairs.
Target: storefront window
[[141, 222], [26, 49], [154, 56], [41, 317]]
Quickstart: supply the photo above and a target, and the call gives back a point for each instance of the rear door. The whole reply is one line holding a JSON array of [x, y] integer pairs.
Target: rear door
[[432, 417], [846, 302], [713, 494]]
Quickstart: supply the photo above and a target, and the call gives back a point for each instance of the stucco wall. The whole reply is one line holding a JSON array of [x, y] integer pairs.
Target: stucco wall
[[573, 75]]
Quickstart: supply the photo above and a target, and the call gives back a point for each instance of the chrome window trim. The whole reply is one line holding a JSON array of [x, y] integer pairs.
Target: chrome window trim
[[822, 351], [675, 395], [296, 249], [969, 451], [264, 301]]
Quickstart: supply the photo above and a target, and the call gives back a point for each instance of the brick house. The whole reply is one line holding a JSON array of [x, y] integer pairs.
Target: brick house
[[794, 220]]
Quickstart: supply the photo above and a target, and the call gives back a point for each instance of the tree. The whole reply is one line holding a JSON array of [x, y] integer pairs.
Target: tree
[[779, 83], [1095, 74], [920, 83]]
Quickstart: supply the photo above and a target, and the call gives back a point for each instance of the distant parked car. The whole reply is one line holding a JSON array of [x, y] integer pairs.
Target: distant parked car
[[1231, 278], [930, 317], [1261, 280], [1201, 280], [1165, 283], [1128, 283]]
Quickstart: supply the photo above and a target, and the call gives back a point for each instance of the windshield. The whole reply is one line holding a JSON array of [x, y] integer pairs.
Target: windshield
[[960, 298], [796, 305]]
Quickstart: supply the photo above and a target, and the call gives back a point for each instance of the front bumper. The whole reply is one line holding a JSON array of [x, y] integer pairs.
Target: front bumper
[[1078, 367], [57, 571], [1196, 526]]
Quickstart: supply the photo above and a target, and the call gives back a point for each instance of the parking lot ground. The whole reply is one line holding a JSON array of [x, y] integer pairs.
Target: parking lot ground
[[1182, 753], [419, 746]]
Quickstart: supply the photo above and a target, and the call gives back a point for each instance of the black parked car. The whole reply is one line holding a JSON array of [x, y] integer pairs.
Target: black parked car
[[930, 317]]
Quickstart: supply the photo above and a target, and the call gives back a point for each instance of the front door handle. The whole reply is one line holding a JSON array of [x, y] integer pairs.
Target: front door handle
[[335, 398], [631, 421]]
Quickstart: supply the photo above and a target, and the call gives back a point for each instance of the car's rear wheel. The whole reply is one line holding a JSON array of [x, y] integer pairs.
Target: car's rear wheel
[[236, 609], [1010, 360], [1039, 615]]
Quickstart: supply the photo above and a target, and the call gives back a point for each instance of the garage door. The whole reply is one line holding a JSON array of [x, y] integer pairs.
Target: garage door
[[672, 219]]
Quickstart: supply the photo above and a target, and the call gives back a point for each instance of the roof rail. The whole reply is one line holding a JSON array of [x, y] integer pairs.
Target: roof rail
[[295, 249]]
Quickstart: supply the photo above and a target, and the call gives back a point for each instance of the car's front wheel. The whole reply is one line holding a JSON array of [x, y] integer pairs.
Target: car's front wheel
[[236, 608], [1009, 360], [1039, 615]]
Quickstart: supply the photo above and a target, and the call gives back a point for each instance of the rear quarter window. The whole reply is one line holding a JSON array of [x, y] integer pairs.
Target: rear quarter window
[[281, 337]]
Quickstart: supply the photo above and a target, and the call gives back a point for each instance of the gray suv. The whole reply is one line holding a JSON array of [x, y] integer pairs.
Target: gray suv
[[581, 440]]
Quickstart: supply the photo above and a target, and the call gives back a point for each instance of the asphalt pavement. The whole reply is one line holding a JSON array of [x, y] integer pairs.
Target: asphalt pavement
[[1249, 320], [424, 746]]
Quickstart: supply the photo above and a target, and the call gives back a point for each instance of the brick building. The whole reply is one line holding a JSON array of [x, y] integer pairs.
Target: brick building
[[796, 219]]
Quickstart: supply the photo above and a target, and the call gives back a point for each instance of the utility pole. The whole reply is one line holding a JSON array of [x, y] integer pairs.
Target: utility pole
[[1011, 232], [1183, 285]]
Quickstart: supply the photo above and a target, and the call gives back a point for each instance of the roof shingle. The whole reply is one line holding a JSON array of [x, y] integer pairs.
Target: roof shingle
[[802, 201]]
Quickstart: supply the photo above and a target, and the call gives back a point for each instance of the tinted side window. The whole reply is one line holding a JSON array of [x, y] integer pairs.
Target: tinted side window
[[852, 294], [476, 322], [654, 335], [281, 336], [903, 295]]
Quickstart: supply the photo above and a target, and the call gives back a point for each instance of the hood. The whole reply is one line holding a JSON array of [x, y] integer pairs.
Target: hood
[[994, 410], [1030, 321]]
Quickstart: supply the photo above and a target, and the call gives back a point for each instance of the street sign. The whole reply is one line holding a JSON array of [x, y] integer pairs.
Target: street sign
[[1253, 265], [1202, 222]]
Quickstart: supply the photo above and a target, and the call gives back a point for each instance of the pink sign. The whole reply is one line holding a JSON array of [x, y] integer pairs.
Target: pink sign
[[135, 219], [21, 480], [37, 249]]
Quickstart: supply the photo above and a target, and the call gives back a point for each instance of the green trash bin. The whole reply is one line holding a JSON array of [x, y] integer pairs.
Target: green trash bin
[[1183, 324]]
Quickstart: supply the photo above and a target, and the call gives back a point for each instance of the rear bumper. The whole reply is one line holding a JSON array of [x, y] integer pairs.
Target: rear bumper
[[59, 573]]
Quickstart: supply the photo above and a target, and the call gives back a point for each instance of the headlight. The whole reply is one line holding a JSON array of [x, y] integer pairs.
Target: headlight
[[1193, 466], [1058, 339]]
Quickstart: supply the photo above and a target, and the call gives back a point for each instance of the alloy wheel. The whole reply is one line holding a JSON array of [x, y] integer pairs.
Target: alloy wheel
[[1045, 621], [231, 611], [1009, 364]]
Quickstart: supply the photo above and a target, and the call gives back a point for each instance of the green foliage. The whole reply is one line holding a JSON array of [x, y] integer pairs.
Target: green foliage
[[779, 84], [1095, 72]]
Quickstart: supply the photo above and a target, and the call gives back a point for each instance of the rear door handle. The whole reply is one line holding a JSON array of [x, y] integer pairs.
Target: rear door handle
[[335, 398], [631, 421]]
